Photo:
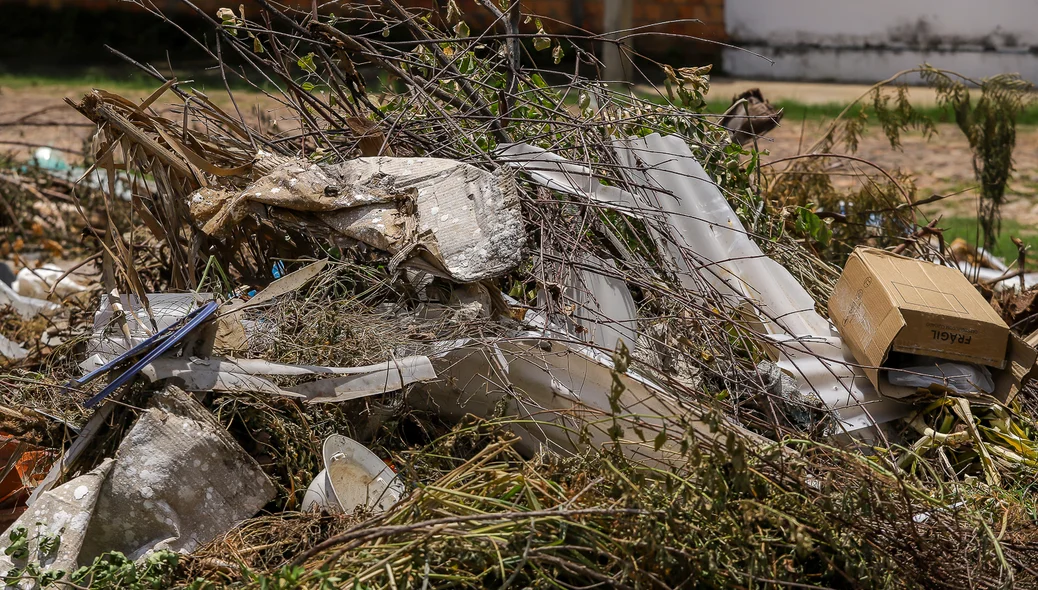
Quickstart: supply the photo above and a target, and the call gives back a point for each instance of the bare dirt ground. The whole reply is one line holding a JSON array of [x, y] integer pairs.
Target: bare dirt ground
[[41, 106], [941, 165]]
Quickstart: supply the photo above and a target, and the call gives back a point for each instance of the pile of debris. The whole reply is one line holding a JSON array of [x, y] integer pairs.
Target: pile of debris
[[489, 325]]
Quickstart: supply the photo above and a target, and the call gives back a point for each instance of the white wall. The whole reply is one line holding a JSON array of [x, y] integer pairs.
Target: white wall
[[865, 40]]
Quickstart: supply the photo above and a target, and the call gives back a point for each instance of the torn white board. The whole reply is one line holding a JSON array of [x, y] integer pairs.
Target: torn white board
[[248, 375]]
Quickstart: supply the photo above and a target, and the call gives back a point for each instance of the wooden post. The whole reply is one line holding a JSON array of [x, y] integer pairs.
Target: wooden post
[[618, 17]]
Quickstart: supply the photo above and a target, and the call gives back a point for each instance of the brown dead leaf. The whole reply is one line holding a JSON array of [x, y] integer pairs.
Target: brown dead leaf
[[53, 248]]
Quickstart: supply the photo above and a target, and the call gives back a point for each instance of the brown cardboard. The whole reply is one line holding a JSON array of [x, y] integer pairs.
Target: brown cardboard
[[884, 302]]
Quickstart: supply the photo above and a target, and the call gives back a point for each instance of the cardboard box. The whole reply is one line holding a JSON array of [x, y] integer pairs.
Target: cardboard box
[[886, 303]]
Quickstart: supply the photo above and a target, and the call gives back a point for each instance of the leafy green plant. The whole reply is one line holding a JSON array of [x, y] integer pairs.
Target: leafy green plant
[[114, 571], [110, 571], [812, 226], [989, 124], [19, 547]]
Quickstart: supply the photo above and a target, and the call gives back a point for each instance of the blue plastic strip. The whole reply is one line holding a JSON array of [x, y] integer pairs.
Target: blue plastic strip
[[136, 350], [200, 315]]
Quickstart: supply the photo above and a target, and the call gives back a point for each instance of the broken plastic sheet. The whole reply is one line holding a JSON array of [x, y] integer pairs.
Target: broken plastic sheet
[[555, 390], [248, 375], [926, 371], [178, 481], [708, 242], [27, 308], [600, 303]]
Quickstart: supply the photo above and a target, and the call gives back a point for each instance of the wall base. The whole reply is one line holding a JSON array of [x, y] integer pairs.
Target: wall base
[[862, 65]]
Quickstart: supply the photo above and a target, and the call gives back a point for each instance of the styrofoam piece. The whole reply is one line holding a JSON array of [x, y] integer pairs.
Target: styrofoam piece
[[352, 477], [10, 349], [37, 282], [990, 275], [27, 307]]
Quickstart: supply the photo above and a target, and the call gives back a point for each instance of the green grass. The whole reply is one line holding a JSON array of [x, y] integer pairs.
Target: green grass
[[117, 80], [126, 79], [134, 81], [798, 111], [968, 229]]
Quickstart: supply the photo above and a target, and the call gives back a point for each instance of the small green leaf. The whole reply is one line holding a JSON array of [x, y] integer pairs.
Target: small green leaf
[[461, 29], [812, 226], [307, 86], [659, 441], [307, 63], [256, 45], [541, 43], [538, 81]]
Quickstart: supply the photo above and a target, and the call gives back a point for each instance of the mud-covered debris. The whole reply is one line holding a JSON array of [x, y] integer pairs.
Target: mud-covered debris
[[177, 481], [463, 222]]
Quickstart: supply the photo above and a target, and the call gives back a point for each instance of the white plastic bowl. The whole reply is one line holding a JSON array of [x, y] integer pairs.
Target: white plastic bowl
[[353, 476]]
